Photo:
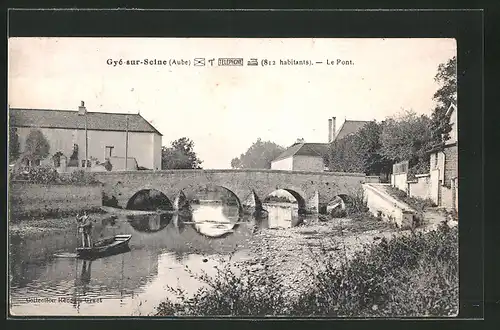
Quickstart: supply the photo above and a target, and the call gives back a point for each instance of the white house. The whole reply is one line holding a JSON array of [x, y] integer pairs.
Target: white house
[[302, 156], [104, 135]]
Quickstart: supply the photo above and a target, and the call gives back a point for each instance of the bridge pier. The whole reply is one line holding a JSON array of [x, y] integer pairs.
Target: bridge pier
[[312, 204]]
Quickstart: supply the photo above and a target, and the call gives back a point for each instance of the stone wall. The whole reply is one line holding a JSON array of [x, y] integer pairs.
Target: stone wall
[[450, 165], [400, 181], [30, 198], [327, 185], [388, 208], [421, 187]]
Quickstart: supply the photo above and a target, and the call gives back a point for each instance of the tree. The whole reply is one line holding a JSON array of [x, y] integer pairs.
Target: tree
[[407, 137], [344, 156], [13, 143], [259, 155], [446, 77], [37, 147], [360, 152], [180, 155]]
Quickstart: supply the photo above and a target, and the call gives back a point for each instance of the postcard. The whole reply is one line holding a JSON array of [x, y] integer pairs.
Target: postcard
[[233, 177]]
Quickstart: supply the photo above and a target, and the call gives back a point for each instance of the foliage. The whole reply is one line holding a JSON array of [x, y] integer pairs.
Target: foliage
[[14, 144], [446, 77], [421, 167], [37, 147], [79, 177], [414, 275], [57, 158], [107, 165], [38, 174], [259, 155], [417, 203], [180, 155], [280, 199], [48, 175], [406, 137], [235, 291], [109, 201], [344, 156], [359, 152]]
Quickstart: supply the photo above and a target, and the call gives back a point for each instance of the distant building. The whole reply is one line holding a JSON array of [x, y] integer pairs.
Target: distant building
[[302, 156], [106, 137]]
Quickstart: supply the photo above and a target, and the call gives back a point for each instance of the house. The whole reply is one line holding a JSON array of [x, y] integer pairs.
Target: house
[[79, 139], [349, 127], [441, 183], [302, 156], [444, 165]]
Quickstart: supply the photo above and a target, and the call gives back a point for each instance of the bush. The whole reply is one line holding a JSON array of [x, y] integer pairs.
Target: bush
[[48, 175], [80, 177], [109, 201], [413, 275], [417, 203], [39, 174], [230, 292], [107, 165]]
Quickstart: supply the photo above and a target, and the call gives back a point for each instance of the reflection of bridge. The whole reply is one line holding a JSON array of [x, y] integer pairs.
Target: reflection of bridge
[[311, 189]]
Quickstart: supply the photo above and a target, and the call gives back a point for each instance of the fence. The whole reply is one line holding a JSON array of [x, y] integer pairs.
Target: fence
[[399, 177]]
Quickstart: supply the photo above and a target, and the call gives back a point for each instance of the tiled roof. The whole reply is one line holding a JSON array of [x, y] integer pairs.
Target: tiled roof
[[69, 119], [304, 149], [350, 127]]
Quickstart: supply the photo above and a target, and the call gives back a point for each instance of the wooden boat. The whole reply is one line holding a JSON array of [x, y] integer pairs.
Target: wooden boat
[[117, 211], [105, 246]]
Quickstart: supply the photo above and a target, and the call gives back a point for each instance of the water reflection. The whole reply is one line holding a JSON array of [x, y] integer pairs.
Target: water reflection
[[281, 216], [149, 223], [123, 284], [214, 229]]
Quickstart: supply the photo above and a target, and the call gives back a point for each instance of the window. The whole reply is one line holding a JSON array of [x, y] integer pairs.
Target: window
[[109, 152]]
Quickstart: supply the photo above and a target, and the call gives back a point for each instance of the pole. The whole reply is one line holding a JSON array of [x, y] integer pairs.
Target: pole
[[126, 146], [86, 143]]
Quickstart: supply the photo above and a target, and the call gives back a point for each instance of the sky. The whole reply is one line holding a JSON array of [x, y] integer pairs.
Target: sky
[[225, 109]]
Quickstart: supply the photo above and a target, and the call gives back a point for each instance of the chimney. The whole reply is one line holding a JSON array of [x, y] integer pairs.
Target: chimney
[[81, 109], [331, 129], [330, 123]]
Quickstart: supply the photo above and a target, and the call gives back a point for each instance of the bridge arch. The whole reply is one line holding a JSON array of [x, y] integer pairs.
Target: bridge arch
[[148, 199], [192, 189], [299, 196]]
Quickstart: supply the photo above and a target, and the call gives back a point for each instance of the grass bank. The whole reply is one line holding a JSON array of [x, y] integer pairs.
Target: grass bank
[[408, 275], [35, 227]]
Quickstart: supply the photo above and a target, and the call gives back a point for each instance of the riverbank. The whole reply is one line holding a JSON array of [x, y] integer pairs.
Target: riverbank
[[35, 227], [292, 253], [343, 267]]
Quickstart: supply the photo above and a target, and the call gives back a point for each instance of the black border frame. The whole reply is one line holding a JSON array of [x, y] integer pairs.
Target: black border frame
[[466, 26]]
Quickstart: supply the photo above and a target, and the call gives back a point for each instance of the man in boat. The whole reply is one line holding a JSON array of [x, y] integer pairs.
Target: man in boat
[[85, 228]]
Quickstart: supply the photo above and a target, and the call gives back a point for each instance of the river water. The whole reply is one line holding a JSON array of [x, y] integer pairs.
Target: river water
[[134, 282]]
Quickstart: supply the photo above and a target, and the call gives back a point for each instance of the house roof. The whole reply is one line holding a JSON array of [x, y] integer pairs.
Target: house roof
[[350, 127], [70, 119], [304, 149]]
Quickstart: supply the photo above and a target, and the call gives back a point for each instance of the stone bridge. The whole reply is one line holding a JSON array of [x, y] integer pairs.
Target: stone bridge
[[311, 189]]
